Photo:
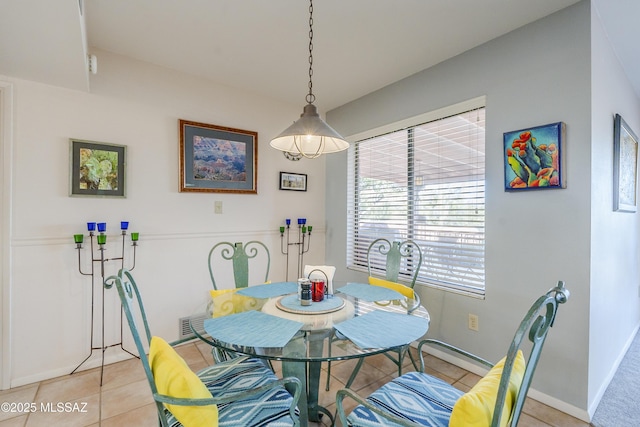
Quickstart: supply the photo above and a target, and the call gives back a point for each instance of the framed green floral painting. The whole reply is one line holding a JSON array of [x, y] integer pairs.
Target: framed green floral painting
[[97, 169]]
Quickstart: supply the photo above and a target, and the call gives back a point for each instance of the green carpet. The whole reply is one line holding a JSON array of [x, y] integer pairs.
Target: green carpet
[[620, 405]]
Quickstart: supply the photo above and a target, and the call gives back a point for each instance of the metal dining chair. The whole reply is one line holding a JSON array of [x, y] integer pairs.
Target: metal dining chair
[[240, 254], [389, 263], [418, 399], [400, 260], [241, 391], [229, 263]]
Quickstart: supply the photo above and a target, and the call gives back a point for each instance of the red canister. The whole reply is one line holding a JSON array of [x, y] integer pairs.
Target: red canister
[[317, 290]]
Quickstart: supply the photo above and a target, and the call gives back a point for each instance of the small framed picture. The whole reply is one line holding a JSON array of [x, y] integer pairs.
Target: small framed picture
[[625, 167], [97, 169], [293, 181], [217, 159]]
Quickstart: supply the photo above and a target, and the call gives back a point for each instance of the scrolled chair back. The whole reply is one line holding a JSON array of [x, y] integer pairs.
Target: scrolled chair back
[[239, 254], [535, 327], [133, 309], [395, 260]]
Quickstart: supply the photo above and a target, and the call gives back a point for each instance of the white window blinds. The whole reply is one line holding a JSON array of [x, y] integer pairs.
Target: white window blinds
[[425, 183]]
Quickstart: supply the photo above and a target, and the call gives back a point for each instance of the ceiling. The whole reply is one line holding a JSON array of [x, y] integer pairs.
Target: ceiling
[[263, 47]]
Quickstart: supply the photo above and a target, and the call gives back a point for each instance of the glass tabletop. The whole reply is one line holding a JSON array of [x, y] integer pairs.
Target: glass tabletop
[[358, 320]]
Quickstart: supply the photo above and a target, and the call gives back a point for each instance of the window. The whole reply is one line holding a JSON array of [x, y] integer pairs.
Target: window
[[425, 182]]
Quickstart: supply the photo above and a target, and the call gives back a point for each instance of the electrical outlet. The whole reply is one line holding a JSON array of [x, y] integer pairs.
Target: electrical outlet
[[218, 207], [473, 322]]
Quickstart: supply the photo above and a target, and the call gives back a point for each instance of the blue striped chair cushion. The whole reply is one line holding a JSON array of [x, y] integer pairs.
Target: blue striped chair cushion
[[270, 408], [414, 396]]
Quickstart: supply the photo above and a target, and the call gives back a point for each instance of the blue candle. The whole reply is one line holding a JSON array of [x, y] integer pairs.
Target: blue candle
[[288, 221], [91, 226], [102, 227], [124, 225], [300, 221], [304, 221]]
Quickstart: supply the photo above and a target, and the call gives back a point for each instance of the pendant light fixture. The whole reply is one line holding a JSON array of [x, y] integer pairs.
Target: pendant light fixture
[[309, 136]]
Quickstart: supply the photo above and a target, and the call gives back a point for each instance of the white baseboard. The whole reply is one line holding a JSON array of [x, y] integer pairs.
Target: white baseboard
[[93, 362], [605, 384]]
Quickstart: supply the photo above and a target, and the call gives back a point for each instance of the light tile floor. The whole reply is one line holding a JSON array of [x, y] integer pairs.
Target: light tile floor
[[125, 399]]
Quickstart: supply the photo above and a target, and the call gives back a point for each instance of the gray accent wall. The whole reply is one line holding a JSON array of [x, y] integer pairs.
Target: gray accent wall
[[538, 74]]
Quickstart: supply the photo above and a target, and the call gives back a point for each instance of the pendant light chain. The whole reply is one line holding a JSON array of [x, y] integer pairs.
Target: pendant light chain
[[310, 96], [309, 136]]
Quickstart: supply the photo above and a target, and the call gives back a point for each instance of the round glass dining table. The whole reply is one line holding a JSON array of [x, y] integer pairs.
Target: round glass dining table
[[269, 322]]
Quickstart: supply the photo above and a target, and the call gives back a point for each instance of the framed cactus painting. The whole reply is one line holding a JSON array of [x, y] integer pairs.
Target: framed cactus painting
[[534, 158], [97, 169]]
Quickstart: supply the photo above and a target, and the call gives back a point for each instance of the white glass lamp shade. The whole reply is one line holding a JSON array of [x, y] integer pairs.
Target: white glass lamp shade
[[309, 136]]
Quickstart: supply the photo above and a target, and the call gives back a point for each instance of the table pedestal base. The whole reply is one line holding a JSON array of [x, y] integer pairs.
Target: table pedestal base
[[309, 375]]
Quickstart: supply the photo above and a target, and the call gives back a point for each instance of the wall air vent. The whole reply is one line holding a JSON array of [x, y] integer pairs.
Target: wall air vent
[[185, 331]]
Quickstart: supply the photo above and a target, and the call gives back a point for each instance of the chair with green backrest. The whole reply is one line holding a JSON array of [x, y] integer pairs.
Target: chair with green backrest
[[395, 265], [241, 391], [395, 261], [418, 399], [389, 263], [239, 254], [237, 271]]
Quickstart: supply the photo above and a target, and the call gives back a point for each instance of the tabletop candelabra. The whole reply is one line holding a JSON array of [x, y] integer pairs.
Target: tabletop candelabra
[[98, 258], [301, 244]]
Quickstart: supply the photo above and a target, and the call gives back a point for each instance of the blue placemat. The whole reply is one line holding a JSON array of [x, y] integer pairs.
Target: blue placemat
[[380, 329], [269, 290], [367, 292], [291, 304], [252, 329]]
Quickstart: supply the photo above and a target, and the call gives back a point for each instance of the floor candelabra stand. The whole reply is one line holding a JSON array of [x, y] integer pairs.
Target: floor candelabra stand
[[301, 244], [98, 258]]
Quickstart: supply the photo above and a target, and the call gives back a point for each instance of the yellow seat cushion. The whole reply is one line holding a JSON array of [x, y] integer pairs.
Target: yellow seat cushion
[[174, 378], [475, 408], [398, 287], [227, 301]]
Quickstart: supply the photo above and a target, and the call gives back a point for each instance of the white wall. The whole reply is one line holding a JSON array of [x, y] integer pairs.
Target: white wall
[[615, 312], [137, 105], [536, 75]]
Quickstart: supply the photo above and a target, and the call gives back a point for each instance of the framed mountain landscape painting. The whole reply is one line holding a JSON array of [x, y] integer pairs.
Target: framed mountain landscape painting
[[217, 159]]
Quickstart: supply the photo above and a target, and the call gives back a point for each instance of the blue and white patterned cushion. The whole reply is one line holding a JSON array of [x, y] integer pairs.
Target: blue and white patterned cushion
[[417, 397], [270, 408]]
